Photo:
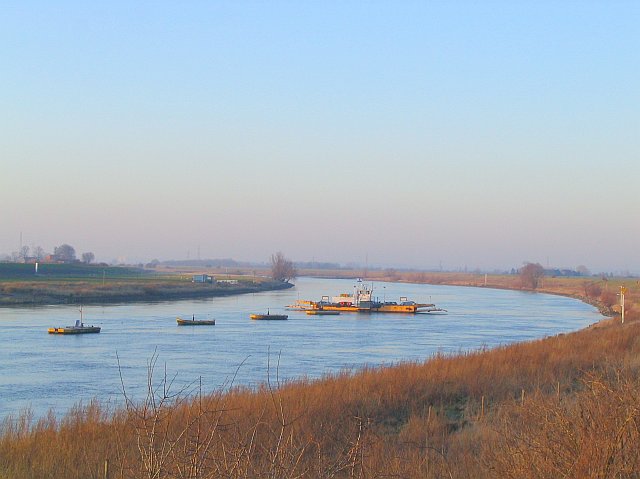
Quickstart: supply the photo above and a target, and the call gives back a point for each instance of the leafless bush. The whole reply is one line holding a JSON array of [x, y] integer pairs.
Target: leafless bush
[[592, 290]]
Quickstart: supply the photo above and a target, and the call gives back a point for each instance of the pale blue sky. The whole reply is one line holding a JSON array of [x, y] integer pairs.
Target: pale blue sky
[[477, 134]]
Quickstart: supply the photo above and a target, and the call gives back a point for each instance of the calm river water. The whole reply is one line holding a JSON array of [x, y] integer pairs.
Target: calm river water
[[42, 371]]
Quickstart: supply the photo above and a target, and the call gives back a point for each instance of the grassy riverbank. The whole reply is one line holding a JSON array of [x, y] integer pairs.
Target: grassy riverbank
[[564, 406], [88, 284]]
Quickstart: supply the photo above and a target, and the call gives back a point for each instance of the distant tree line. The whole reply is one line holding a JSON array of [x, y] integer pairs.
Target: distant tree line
[[231, 263], [208, 263], [317, 265], [532, 273], [527, 270], [64, 253]]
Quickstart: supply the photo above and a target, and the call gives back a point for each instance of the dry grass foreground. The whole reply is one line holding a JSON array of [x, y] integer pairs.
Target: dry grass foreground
[[565, 406]]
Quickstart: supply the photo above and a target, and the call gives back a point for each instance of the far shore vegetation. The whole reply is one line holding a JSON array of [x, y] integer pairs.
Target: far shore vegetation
[[79, 283], [31, 276], [562, 406]]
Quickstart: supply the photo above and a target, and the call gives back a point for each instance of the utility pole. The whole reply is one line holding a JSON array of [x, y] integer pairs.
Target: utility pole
[[623, 290]]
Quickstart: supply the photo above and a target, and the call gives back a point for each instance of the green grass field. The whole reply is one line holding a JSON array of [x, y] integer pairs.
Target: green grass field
[[72, 271]]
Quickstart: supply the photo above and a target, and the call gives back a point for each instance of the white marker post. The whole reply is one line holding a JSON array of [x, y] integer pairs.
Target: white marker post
[[623, 290]]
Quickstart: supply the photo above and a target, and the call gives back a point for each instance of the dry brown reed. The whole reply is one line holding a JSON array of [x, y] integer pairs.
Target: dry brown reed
[[592, 434]]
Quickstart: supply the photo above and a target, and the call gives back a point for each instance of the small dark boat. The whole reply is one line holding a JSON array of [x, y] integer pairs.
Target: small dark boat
[[322, 312], [195, 322], [269, 316]]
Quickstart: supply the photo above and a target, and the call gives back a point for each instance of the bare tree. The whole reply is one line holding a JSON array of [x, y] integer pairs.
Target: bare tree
[[24, 254], [281, 268], [530, 275], [38, 253], [88, 257]]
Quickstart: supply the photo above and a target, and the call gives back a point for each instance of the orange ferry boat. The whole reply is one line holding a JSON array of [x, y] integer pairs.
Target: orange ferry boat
[[362, 301]]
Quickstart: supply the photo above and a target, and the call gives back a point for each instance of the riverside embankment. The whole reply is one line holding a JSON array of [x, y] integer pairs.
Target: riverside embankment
[[88, 284], [126, 291]]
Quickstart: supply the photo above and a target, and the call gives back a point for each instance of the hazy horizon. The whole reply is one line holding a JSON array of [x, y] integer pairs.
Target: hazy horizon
[[415, 134], [355, 265]]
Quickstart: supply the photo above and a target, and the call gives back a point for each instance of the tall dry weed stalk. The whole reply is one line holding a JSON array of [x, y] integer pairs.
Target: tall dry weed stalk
[[593, 434]]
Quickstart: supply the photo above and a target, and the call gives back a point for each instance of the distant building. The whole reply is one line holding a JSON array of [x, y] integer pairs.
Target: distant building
[[202, 278], [228, 281]]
